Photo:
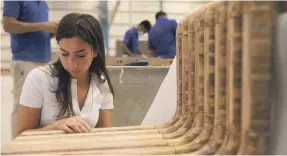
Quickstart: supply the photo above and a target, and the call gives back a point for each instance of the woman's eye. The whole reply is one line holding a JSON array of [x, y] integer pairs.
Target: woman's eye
[[65, 54], [81, 55]]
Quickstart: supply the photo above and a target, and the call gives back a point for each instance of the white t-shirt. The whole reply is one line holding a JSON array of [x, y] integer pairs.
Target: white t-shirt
[[37, 92]]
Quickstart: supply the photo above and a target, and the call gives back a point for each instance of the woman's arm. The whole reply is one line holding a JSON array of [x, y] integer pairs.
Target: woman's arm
[[29, 118], [105, 118], [31, 102]]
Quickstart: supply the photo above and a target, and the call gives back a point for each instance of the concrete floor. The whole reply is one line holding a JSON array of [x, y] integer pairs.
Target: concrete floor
[[6, 103]]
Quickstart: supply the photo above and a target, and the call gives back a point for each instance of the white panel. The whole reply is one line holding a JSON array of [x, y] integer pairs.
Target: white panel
[[138, 17], [57, 15], [185, 8], [112, 52], [152, 6], [2, 30], [6, 54], [121, 18], [111, 5], [124, 5], [72, 5], [5, 65], [112, 42], [5, 40], [118, 30], [163, 107], [176, 17]]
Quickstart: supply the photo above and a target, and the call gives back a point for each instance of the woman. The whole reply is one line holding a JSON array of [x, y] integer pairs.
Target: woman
[[73, 94]]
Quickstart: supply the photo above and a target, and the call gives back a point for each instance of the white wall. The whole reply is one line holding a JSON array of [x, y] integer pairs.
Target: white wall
[[164, 105], [130, 13]]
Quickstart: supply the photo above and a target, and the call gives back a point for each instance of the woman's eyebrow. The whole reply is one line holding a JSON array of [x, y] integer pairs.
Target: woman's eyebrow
[[78, 51]]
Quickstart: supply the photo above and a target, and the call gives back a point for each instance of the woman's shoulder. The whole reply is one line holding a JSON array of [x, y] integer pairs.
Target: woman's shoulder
[[102, 85], [40, 73], [106, 94]]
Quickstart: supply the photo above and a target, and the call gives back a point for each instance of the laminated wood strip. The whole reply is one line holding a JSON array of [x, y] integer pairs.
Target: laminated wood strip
[[234, 60], [257, 39]]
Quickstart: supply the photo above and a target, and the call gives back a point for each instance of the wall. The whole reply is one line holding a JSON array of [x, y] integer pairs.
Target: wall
[[129, 13], [135, 89], [164, 104]]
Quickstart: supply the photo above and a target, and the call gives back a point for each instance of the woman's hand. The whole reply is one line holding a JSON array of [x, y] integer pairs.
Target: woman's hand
[[72, 125]]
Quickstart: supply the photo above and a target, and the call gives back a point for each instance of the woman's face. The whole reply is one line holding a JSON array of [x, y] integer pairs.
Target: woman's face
[[76, 56]]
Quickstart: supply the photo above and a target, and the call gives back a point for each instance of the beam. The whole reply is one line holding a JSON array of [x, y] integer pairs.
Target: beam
[[103, 19], [113, 14]]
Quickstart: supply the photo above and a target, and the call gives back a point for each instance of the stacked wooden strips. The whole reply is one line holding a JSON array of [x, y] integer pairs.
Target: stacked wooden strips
[[223, 106]]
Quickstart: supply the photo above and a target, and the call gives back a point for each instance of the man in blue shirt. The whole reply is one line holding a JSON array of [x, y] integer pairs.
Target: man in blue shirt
[[162, 37], [130, 44], [30, 31]]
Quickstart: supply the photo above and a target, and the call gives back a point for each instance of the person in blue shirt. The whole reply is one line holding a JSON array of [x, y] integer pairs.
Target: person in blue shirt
[[30, 31], [130, 45], [162, 37]]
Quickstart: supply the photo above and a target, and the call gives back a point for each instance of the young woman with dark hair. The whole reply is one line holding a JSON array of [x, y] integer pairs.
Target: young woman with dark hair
[[74, 93]]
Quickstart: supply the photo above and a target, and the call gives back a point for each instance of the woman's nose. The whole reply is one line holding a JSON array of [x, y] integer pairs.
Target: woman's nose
[[72, 63]]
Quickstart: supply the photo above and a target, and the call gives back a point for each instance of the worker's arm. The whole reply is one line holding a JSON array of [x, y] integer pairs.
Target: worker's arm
[[126, 49], [31, 101], [28, 120], [127, 39], [11, 25]]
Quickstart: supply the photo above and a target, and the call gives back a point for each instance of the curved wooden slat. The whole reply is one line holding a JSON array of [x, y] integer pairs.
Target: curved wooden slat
[[234, 50]]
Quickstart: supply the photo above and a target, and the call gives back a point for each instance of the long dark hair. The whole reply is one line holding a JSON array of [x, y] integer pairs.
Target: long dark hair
[[87, 28]]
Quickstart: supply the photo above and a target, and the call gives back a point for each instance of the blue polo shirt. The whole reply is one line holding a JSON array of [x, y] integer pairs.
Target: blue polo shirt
[[131, 39], [162, 38], [32, 46]]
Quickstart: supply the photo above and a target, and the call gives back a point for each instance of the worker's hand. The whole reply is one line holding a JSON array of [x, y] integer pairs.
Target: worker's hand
[[72, 125], [133, 55], [51, 27]]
